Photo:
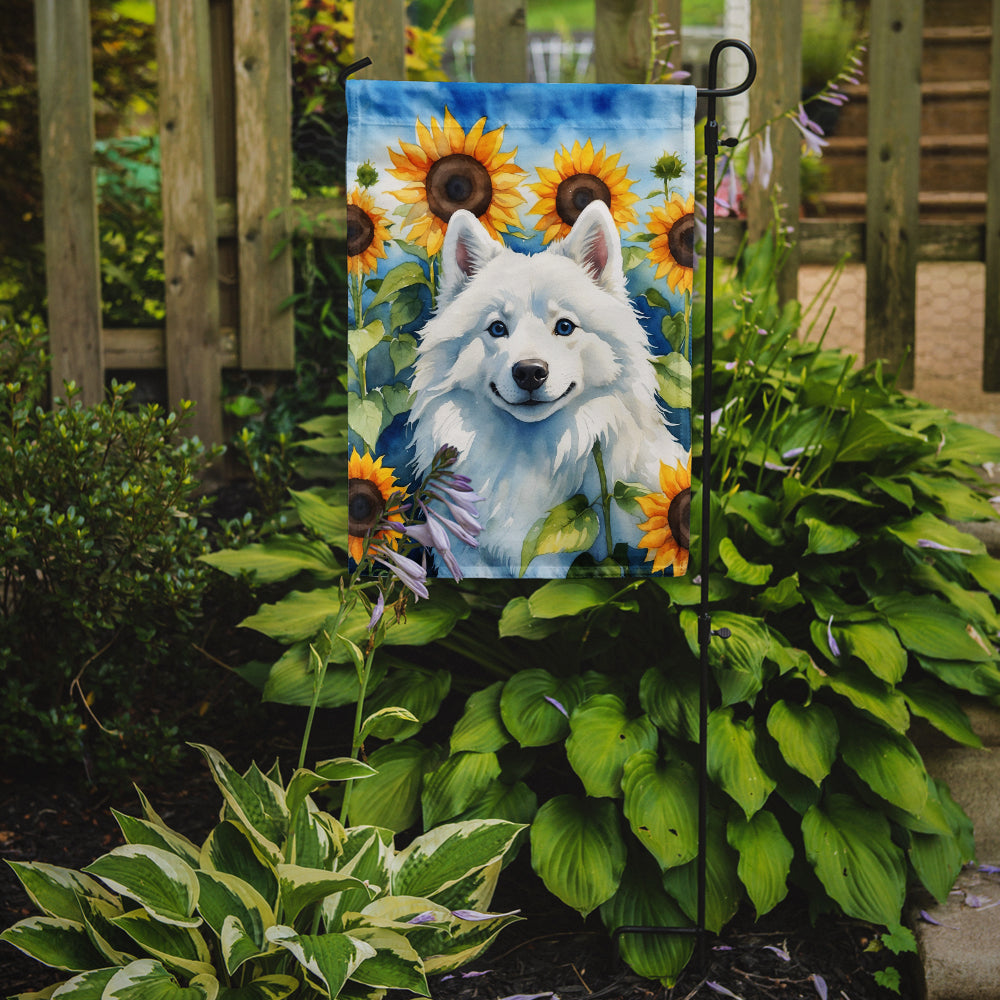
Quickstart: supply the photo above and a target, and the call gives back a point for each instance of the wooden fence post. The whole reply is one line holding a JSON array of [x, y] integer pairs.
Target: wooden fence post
[[190, 251], [72, 255], [501, 41], [991, 332], [776, 35], [380, 34], [893, 183], [261, 57], [623, 39]]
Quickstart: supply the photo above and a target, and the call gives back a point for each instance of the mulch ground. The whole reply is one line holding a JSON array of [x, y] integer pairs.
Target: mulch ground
[[551, 953]]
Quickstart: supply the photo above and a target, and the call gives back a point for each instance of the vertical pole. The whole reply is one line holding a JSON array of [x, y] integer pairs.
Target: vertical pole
[[776, 30], [380, 33], [893, 184], [72, 256], [991, 332], [190, 250], [623, 38], [501, 42]]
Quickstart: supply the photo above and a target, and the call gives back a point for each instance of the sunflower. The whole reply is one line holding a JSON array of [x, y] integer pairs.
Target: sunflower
[[580, 177], [672, 249], [370, 487], [449, 169], [667, 529], [366, 233]]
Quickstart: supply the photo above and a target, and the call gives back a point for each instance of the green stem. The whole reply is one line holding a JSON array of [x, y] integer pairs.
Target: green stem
[[605, 497], [356, 737]]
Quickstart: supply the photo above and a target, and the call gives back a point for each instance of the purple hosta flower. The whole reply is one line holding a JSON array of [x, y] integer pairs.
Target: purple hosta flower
[[928, 543], [831, 642], [820, 984], [431, 534], [475, 915], [411, 574], [812, 134], [427, 917], [989, 869], [760, 164], [780, 952], [558, 705], [719, 988], [377, 612]]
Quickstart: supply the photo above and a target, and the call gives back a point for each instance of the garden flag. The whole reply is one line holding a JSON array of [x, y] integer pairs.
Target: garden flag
[[520, 273]]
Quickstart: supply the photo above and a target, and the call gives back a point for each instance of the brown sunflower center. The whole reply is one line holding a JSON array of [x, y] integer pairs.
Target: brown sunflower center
[[364, 507], [681, 240], [679, 518], [458, 181], [360, 230], [575, 193]]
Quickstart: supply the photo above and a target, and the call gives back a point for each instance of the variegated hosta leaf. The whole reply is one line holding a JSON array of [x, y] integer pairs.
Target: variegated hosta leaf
[[158, 880], [661, 805], [225, 897], [602, 737], [441, 857], [456, 784], [56, 891], [475, 891], [86, 986], [230, 849], [149, 980], [329, 959], [642, 902], [481, 727], [98, 915], [807, 736], [300, 887], [304, 782], [765, 858], [54, 941], [141, 831], [850, 847], [315, 838], [732, 760], [177, 947], [468, 939], [274, 987], [367, 853], [395, 964], [578, 851]]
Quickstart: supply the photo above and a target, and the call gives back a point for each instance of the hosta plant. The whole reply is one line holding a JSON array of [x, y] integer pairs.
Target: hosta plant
[[279, 900]]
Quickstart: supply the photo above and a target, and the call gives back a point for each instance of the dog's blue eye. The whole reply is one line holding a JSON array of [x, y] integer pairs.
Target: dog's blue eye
[[498, 328], [564, 327]]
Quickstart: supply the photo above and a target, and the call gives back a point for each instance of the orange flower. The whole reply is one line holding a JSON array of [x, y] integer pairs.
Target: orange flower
[[447, 170], [667, 528], [366, 233], [370, 488], [672, 249]]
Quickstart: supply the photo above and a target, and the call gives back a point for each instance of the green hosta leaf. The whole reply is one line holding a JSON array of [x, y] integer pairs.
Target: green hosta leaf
[[559, 598], [738, 569], [783, 595], [602, 738], [529, 706], [850, 848], [159, 881], [440, 858], [661, 798], [456, 784], [230, 849], [180, 948], [301, 887], [330, 959], [418, 690], [641, 901], [572, 526], [279, 558], [299, 615], [56, 891], [965, 443], [363, 339], [957, 501], [147, 979], [928, 528], [516, 803], [864, 691], [391, 798], [870, 436], [986, 572], [760, 512], [738, 661], [481, 727], [274, 987], [732, 760], [673, 379], [876, 646], [327, 520], [827, 539], [671, 700], [578, 851], [937, 859], [292, 679], [517, 620], [807, 736], [395, 964], [723, 889], [888, 763], [941, 709], [387, 722], [932, 628], [54, 941], [976, 678], [765, 858]]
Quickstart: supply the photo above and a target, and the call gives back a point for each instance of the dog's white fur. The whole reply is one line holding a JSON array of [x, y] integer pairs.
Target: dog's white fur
[[527, 448]]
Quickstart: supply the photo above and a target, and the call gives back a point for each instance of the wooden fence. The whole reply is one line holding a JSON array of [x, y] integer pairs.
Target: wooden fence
[[226, 162]]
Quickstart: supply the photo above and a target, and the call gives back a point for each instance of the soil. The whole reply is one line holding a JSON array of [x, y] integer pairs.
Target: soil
[[551, 953]]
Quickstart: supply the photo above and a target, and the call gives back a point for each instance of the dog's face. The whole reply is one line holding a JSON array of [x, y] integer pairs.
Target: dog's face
[[531, 334]]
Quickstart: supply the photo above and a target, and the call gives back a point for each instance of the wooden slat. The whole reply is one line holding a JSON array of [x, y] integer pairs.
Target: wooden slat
[[380, 34], [776, 36], [72, 257], [501, 41], [893, 184], [144, 348], [262, 62], [991, 332], [190, 254]]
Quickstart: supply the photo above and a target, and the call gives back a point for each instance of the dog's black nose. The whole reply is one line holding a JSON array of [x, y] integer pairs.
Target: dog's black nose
[[530, 374]]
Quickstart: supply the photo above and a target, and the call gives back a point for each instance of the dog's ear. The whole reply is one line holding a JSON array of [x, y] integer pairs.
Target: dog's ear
[[467, 248], [595, 244]]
